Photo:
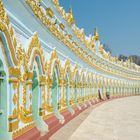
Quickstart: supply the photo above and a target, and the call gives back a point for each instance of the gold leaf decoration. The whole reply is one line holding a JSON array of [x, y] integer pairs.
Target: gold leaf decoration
[[14, 99]]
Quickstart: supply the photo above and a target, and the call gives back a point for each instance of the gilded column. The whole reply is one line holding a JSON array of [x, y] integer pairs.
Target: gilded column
[[82, 92], [72, 92], [26, 107], [79, 92], [14, 111]]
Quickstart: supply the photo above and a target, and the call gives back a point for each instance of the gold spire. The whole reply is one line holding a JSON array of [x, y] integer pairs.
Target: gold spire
[[96, 34], [70, 16], [70, 10]]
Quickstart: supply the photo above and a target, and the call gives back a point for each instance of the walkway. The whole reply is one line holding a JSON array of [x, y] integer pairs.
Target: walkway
[[114, 120]]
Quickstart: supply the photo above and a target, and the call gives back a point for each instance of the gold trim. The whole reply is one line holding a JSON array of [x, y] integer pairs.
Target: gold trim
[[13, 125], [23, 130]]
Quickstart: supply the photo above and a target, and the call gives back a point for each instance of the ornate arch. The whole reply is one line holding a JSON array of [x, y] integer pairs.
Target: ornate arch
[[53, 63], [66, 69], [35, 53], [75, 72], [82, 75]]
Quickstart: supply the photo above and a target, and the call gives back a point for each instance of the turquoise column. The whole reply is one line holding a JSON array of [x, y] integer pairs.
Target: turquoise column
[[68, 95], [40, 124], [55, 93], [56, 96], [76, 93]]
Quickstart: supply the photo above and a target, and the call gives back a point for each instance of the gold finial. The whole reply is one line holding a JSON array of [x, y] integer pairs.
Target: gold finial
[[96, 34], [70, 10], [70, 16]]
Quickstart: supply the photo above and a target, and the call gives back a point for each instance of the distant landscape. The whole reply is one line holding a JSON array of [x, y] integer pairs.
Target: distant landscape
[[133, 58]]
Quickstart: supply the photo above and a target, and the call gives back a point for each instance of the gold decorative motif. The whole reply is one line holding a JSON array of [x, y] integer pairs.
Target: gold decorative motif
[[49, 108], [70, 18], [14, 86], [62, 26], [14, 72], [49, 81], [43, 79], [26, 115], [96, 35], [20, 55], [23, 130], [49, 12], [35, 47], [14, 100], [79, 32], [15, 110], [30, 97], [13, 125]]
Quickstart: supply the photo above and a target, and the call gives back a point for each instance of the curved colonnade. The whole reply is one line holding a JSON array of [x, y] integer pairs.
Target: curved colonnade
[[39, 92]]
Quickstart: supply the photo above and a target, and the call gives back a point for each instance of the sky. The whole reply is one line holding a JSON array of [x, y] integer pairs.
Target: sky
[[117, 21]]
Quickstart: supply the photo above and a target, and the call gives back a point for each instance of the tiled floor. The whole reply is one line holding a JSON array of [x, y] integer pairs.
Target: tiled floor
[[114, 120], [66, 131]]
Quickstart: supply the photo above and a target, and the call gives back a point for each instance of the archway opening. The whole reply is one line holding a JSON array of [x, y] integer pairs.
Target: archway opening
[[67, 89], [55, 91], [35, 96], [56, 96], [67, 92]]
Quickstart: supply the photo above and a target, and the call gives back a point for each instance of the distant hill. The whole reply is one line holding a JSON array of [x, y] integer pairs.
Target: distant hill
[[134, 58]]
